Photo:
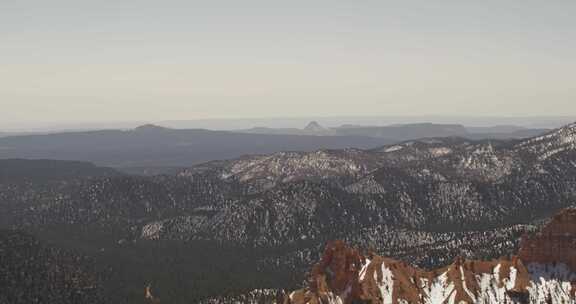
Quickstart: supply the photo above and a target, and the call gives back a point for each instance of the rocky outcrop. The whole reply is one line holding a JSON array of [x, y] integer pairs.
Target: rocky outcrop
[[384, 280], [334, 278], [556, 243], [541, 273]]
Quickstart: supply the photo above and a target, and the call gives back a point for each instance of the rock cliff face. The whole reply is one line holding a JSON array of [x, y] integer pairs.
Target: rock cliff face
[[556, 243], [543, 272]]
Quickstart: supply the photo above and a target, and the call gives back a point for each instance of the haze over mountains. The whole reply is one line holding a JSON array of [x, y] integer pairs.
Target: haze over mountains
[[403, 132], [534, 122], [151, 149], [230, 124], [256, 224]]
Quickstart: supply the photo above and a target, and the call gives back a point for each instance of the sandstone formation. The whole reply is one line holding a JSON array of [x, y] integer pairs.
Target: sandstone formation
[[555, 243], [543, 272]]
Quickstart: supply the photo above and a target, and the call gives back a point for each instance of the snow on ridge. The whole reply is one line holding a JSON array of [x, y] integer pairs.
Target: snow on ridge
[[440, 151], [393, 149], [290, 166], [386, 286], [547, 282], [439, 290], [551, 143]]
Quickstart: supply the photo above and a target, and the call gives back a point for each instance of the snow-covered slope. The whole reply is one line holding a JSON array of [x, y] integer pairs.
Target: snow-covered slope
[[266, 171], [552, 143], [437, 158]]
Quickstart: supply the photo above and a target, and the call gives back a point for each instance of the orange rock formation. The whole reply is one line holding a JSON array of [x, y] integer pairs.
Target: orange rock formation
[[344, 275], [555, 243]]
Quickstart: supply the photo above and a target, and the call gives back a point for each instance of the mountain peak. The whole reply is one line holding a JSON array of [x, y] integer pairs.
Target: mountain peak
[[149, 128], [314, 126]]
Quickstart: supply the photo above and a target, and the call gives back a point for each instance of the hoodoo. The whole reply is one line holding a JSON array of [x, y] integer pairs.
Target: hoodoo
[[544, 271]]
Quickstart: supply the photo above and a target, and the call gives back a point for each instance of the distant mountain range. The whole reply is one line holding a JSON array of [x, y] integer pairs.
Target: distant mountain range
[[403, 132], [376, 120], [151, 149]]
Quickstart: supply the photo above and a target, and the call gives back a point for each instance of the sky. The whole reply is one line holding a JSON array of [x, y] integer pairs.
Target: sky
[[84, 61]]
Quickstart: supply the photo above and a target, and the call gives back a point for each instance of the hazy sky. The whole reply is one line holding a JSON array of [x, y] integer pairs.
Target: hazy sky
[[107, 60]]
